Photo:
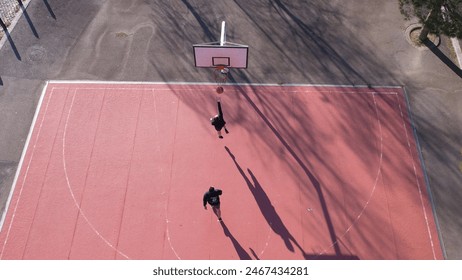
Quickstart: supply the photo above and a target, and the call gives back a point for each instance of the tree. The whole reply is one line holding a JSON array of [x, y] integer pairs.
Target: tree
[[440, 17]]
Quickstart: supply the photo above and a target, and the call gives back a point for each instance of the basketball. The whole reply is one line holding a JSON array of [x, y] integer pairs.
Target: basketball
[[220, 90]]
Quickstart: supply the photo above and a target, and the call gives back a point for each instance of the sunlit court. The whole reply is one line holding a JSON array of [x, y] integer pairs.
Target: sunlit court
[[118, 171]]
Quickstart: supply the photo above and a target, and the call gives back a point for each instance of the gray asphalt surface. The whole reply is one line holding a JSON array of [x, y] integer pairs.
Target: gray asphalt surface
[[308, 42]]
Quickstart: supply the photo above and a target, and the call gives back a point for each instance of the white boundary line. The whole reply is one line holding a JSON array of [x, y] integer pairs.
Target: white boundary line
[[39, 105], [424, 171], [187, 89], [421, 196], [23, 154], [19, 168], [213, 83], [374, 187]]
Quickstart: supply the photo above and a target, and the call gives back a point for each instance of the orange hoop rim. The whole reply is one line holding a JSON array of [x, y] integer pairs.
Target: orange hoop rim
[[222, 67]]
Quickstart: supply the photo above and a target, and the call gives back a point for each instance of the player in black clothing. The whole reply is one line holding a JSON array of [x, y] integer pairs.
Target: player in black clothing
[[212, 197], [218, 121]]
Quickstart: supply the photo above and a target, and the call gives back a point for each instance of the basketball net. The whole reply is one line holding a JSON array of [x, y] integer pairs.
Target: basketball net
[[220, 74]]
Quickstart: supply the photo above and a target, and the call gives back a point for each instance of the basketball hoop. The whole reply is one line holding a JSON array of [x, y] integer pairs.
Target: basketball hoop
[[220, 74], [221, 56]]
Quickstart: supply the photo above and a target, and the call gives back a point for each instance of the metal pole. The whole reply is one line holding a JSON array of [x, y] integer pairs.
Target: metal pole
[[223, 33]]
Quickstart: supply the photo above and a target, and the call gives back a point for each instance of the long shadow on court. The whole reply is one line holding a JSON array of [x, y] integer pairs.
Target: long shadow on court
[[315, 183], [267, 208], [275, 221], [243, 255]]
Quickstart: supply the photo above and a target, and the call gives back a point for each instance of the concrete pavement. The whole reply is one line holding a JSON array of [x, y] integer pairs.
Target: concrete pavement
[[290, 42]]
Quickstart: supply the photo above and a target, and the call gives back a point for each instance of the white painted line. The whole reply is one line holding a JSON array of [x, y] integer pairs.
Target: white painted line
[[458, 51], [211, 83], [26, 144], [18, 170], [424, 170], [172, 159], [422, 203], [69, 186], [374, 187]]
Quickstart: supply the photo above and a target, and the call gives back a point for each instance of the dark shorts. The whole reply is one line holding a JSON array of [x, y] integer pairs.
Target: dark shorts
[[215, 205]]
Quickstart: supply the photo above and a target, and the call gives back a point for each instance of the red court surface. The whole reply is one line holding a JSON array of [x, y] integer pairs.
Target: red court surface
[[117, 171]]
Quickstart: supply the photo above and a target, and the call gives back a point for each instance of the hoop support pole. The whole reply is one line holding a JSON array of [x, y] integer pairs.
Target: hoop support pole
[[223, 33]]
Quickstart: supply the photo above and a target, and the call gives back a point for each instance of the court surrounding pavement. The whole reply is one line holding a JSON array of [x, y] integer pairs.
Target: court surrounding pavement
[[339, 43]]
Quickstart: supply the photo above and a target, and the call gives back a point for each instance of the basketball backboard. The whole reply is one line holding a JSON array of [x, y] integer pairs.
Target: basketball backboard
[[221, 54], [230, 56]]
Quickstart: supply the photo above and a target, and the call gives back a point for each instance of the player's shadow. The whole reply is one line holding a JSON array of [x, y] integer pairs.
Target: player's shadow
[[243, 255], [275, 221], [267, 208]]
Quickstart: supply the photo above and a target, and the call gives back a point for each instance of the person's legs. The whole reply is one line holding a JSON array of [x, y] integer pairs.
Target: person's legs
[[219, 134], [217, 211]]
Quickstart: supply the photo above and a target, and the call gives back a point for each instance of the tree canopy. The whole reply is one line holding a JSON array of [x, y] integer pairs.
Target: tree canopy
[[441, 17]]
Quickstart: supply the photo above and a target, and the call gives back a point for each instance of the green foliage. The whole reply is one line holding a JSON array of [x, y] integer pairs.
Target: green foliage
[[439, 16]]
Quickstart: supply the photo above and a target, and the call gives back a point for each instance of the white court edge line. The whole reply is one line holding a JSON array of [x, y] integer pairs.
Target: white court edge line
[[424, 170], [168, 89], [21, 161], [421, 196], [211, 83]]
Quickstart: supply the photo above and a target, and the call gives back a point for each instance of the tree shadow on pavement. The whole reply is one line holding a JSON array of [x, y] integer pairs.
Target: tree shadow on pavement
[[8, 36], [29, 21], [50, 10], [431, 46]]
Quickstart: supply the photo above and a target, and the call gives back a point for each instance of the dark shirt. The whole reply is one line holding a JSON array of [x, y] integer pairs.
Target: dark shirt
[[218, 121], [212, 197]]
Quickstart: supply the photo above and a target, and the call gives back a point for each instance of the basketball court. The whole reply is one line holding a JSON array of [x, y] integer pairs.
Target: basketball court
[[118, 171]]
